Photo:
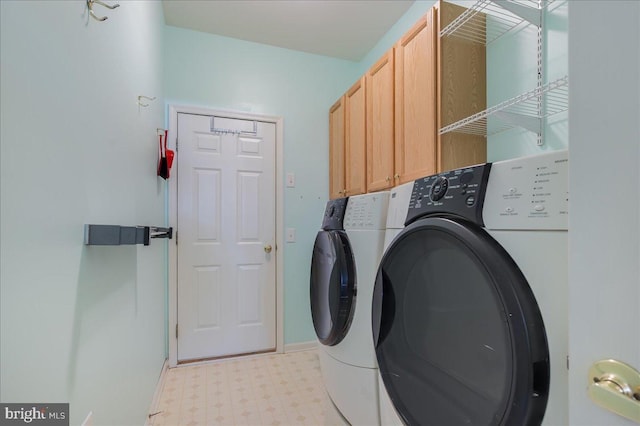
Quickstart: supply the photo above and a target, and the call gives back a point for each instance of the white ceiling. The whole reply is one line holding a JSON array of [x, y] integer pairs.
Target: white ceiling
[[345, 29]]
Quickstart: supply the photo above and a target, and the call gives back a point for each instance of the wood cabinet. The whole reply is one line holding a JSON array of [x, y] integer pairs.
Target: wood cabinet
[[396, 110], [401, 109], [415, 101], [437, 82], [336, 149], [380, 123], [355, 139], [347, 143]]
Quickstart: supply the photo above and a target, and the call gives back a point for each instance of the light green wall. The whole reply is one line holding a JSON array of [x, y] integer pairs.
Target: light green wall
[[80, 324], [512, 70], [230, 74], [406, 21]]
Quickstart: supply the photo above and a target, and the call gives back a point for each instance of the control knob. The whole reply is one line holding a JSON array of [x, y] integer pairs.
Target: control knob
[[439, 188]]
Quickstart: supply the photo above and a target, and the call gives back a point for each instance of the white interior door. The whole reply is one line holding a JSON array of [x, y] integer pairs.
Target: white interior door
[[226, 229], [604, 214]]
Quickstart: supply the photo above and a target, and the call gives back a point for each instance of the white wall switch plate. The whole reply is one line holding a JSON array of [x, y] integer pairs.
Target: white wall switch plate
[[291, 180], [291, 235]]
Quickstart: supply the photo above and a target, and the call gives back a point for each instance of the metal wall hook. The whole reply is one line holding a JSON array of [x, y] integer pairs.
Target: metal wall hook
[[145, 97], [90, 4], [157, 232]]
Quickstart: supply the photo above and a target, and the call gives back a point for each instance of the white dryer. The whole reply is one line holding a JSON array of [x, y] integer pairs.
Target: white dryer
[[469, 314], [348, 360], [399, 198]]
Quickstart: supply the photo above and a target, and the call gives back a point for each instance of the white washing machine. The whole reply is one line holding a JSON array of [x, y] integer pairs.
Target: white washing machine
[[348, 360], [399, 198], [470, 306]]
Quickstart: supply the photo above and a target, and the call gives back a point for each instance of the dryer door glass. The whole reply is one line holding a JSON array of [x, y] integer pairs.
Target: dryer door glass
[[332, 287], [458, 333]]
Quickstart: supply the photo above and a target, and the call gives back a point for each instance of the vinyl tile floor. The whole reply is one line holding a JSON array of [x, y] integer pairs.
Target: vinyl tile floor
[[274, 389]]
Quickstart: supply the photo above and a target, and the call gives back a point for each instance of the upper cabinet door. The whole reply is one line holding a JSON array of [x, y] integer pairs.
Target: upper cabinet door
[[415, 108], [380, 123], [337, 149], [355, 139]]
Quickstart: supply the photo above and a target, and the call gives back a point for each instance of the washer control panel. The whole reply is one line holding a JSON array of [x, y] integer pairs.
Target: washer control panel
[[334, 214], [529, 193], [367, 211], [458, 192]]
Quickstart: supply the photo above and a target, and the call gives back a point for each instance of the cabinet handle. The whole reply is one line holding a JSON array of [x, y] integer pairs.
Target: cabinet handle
[[396, 176], [388, 179]]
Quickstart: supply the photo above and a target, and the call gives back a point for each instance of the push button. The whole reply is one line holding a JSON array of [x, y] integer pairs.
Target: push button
[[471, 200]]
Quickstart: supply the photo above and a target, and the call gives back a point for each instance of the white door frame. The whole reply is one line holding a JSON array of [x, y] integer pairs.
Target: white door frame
[[174, 110]]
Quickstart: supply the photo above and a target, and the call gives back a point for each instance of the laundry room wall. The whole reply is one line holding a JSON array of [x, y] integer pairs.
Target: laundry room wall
[[230, 74], [512, 63], [80, 324], [402, 25]]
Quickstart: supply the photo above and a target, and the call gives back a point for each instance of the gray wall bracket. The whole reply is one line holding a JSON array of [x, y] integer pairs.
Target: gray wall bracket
[[115, 235]]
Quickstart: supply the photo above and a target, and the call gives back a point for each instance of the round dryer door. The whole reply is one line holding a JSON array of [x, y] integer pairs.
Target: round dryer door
[[458, 333], [333, 286]]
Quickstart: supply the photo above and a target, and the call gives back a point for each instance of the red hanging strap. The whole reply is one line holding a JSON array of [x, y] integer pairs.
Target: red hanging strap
[[163, 169]]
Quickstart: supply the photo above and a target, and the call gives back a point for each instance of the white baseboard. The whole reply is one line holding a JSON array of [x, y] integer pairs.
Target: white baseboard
[[302, 346], [155, 402]]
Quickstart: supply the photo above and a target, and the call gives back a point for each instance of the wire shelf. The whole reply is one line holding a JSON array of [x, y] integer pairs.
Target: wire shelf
[[526, 110], [486, 20]]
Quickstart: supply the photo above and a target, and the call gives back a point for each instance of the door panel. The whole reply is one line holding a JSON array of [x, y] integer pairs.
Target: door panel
[[226, 218], [208, 289], [355, 140], [415, 111], [207, 183], [248, 199], [337, 150], [380, 132]]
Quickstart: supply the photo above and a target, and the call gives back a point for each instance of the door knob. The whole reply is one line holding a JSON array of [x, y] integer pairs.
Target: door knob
[[267, 248], [615, 386]]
